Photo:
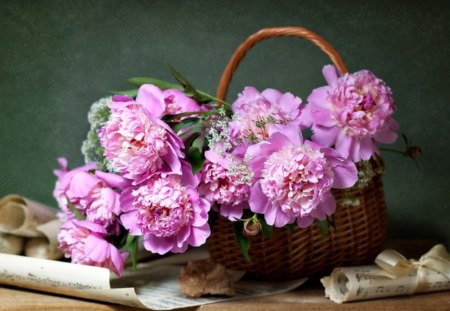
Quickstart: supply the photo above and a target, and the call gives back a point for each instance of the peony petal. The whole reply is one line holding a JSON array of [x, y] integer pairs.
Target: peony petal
[[121, 98], [282, 219], [325, 136], [389, 134], [320, 116], [248, 94], [81, 184], [183, 235], [96, 248], [345, 175], [330, 73], [305, 221], [185, 103], [65, 177], [128, 220], [290, 104], [199, 235], [258, 201], [272, 95], [270, 214], [112, 200], [152, 98], [159, 245], [117, 260], [319, 98], [173, 161], [282, 135], [231, 211], [354, 150], [328, 205], [187, 177], [367, 148], [113, 180], [90, 226], [126, 200], [343, 144]]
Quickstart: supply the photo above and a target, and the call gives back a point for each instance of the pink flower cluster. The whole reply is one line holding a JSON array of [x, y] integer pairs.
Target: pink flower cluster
[[149, 191], [275, 172], [353, 113], [255, 112], [254, 162], [95, 196]]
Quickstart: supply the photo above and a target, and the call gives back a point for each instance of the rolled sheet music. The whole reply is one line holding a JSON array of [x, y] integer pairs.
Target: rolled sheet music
[[29, 227], [11, 244], [45, 247], [21, 216], [393, 275]]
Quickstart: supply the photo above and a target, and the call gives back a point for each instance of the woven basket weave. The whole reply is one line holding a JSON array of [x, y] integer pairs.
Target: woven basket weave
[[361, 219]]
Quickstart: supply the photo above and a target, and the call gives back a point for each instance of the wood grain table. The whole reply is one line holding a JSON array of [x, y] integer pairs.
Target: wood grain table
[[307, 297]]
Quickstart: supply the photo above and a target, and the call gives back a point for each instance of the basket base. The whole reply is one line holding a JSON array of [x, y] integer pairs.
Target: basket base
[[359, 237]]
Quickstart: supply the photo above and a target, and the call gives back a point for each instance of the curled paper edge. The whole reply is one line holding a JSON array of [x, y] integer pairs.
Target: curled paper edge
[[430, 273], [20, 216], [11, 244], [45, 247]]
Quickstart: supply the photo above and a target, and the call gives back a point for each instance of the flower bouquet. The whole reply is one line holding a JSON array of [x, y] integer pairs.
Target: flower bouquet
[[167, 164]]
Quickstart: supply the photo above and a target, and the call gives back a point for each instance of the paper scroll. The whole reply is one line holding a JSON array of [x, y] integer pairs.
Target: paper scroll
[[153, 285], [28, 226], [393, 275], [11, 244], [21, 216]]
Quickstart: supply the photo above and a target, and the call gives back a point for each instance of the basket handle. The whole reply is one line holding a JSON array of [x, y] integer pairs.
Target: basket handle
[[266, 33]]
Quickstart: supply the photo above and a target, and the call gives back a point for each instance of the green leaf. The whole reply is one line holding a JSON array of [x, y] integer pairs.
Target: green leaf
[[322, 225], [199, 143], [188, 87], [75, 211], [196, 159], [266, 230], [191, 91], [131, 93], [242, 241], [185, 123], [132, 246], [138, 81], [196, 129]]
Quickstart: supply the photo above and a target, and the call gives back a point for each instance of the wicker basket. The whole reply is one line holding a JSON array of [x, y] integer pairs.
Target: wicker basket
[[361, 219]]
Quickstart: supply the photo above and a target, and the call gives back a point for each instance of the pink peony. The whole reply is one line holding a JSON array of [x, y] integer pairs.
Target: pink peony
[[254, 112], [95, 198], [167, 210], [225, 182], [137, 143], [294, 178], [353, 112], [85, 243], [62, 185], [94, 193], [177, 102]]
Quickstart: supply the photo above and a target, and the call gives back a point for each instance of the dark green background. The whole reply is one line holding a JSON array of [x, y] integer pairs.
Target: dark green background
[[57, 57]]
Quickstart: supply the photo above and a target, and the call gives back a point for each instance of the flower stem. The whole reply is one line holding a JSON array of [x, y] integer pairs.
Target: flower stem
[[392, 150]]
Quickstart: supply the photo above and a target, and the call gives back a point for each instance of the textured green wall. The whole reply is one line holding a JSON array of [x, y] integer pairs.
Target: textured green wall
[[57, 57]]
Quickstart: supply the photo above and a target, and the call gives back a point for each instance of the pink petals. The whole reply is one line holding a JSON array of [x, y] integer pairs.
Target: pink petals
[[168, 213], [251, 160], [295, 180], [354, 113], [136, 142], [85, 243]]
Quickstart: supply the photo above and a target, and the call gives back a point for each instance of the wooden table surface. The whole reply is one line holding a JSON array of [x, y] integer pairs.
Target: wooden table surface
[[308, 297]]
